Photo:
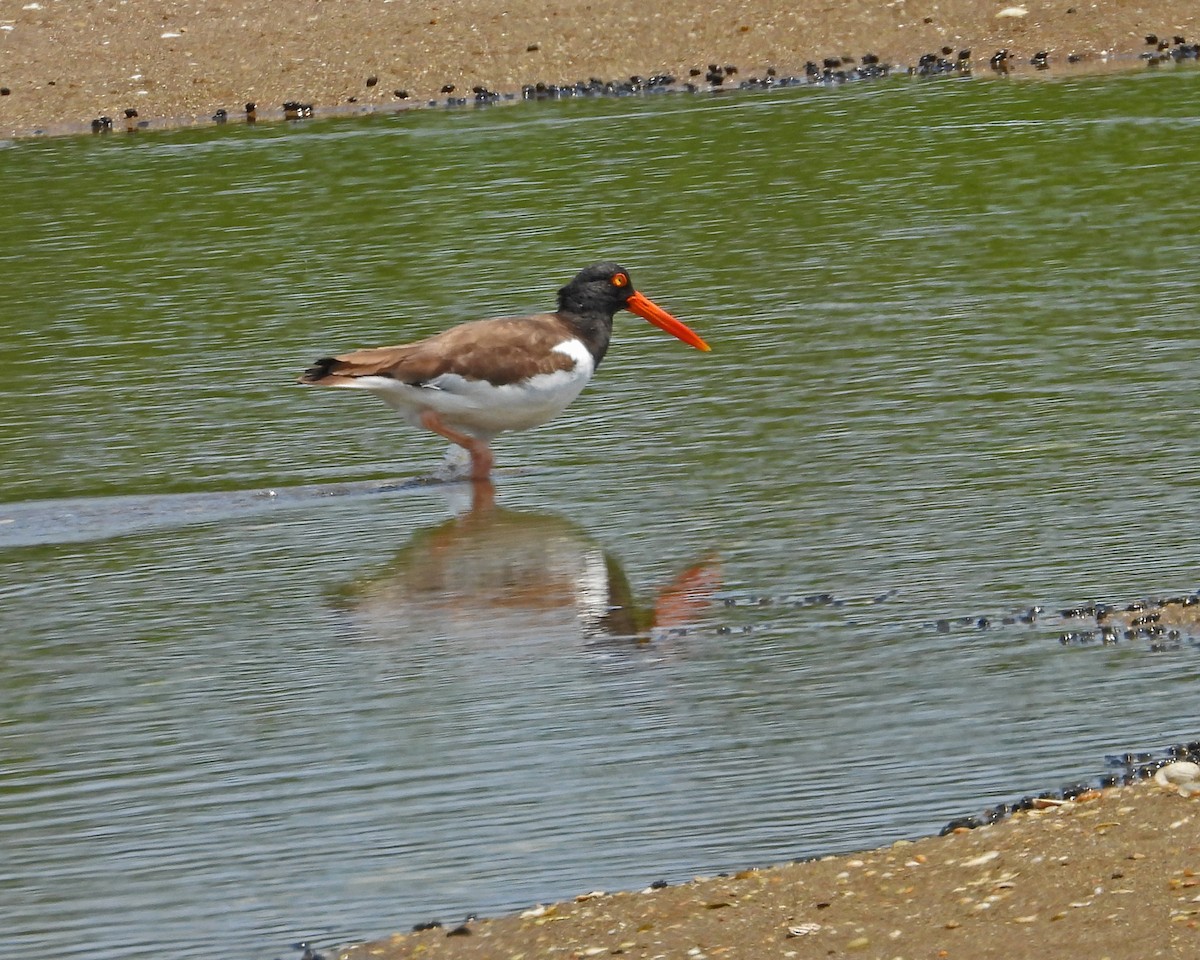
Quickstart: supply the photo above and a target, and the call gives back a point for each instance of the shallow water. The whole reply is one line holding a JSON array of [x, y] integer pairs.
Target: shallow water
[[262, 685]]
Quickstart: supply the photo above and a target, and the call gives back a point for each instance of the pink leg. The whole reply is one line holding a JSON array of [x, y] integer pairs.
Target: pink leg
[[481, 453]]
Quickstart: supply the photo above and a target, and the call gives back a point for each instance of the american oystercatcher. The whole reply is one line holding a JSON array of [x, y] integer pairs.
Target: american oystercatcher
[[478, 379]]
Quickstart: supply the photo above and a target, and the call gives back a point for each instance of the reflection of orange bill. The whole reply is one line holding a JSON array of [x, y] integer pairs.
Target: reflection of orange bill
[[681, 601]]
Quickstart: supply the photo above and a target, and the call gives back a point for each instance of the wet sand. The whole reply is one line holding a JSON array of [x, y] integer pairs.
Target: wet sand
[[1115, 873], [66, 63]]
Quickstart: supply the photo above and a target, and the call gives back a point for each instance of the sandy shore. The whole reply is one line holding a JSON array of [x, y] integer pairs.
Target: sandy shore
[[1115, 873], [65, 63]]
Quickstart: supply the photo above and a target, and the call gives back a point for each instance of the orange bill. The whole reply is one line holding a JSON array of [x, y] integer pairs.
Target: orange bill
[[647, 309]]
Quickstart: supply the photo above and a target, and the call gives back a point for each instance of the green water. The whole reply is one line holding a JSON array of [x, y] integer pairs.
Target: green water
[[258, 686]]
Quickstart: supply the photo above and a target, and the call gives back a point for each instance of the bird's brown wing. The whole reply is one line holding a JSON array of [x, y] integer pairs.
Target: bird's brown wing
[[500, 351]]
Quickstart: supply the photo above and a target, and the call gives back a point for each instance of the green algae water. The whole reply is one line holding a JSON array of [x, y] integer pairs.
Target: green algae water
[[261, 684]]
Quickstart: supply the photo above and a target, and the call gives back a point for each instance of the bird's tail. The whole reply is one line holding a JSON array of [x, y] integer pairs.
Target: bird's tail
[[319, 371], [343, 371]]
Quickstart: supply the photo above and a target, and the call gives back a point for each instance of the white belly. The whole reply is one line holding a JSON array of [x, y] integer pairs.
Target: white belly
[[483, 409]]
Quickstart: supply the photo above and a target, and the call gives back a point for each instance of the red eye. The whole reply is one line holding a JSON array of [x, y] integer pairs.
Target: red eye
[[620, 280]]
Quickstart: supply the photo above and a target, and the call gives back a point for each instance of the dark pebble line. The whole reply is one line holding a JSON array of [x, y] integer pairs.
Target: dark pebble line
[[1146, 625], [717, 78], [1177, 49], [1135, 768]]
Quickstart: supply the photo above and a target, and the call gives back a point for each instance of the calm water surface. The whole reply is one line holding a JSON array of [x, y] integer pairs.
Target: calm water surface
[[260, 685]]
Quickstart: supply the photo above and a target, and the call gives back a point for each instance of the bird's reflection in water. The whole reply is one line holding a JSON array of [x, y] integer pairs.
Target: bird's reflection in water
[[498, 575]]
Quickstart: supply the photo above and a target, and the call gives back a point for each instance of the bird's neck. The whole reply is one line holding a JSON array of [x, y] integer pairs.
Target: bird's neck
[[594, 329]]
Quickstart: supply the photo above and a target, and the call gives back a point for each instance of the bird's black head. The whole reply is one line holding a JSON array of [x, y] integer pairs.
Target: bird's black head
[[598, 292], [602, 288]]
